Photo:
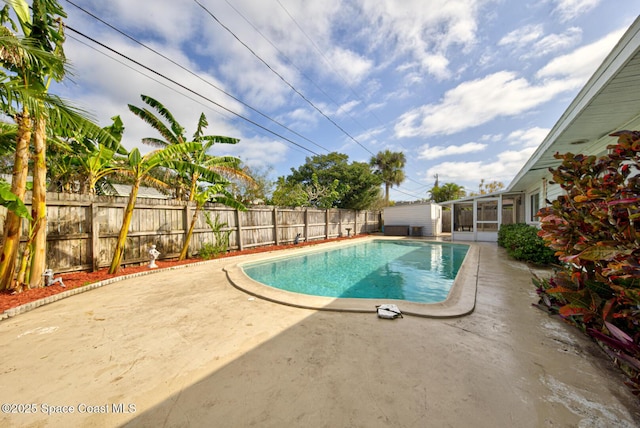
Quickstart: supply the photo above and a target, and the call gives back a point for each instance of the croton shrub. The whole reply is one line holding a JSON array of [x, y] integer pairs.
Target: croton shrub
[[594, 230]]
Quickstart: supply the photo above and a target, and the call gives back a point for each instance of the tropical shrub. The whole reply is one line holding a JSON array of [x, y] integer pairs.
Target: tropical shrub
[[523, 243], [208, 251], [593, 229], [211, 250]]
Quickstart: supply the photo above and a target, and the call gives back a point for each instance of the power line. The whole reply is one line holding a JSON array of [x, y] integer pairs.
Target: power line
[[326, 60], [281, 77], [218, 88], [189, 89], [194, 74], [290, 61], [330, 65]]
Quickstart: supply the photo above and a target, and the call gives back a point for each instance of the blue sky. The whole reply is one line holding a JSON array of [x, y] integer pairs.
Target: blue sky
[[467, 89]]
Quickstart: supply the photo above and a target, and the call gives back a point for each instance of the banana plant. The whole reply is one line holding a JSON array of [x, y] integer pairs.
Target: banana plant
[[139, 168], [203, 176]]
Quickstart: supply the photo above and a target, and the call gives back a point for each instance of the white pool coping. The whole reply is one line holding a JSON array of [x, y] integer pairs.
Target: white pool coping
[[460, 301]]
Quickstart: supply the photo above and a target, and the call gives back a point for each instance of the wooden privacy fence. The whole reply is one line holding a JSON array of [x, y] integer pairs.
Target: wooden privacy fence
[[82, 230]]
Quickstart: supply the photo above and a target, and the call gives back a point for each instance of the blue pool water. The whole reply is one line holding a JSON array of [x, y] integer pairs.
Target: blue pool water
[[404, 270]]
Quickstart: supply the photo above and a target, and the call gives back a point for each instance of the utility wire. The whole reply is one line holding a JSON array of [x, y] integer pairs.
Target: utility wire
[[189, 89], [298, 68], [330, 65], [224, 115], [222, 90], [281, 53], [195, 75], [326, 60], [280, 76]]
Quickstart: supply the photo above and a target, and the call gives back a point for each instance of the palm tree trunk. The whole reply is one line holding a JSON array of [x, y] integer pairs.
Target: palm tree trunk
[[13, 223], [187, 239], [39, 205], [386, 193], [124, 230]]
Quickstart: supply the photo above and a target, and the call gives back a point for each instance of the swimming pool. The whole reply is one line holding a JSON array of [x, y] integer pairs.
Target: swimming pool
[[414, 271]]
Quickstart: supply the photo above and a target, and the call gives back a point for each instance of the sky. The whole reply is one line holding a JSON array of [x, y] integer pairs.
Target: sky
[[466, 89]]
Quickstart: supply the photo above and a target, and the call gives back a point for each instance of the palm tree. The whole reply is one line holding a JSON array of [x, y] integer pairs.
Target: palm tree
[[390, 166], [447, 192], [202, 167]]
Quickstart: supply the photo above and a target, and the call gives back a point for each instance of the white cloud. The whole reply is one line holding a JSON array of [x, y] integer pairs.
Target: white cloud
[[347, 107], [580, 64], [302, 118], [469, 174], [491, 137], [369, 136], [570, 9], [434, 152], [348, 64], [555, 43], [255, 152], [476, 102], [102, 90], [534, 43], [504, 93], [531, 137], [425, 33], [523, 36]]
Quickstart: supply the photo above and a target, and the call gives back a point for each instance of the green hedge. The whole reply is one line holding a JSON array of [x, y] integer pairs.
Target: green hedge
[[523, 243]]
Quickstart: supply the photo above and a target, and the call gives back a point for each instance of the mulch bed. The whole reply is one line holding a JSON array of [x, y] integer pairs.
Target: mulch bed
[[79, 279]]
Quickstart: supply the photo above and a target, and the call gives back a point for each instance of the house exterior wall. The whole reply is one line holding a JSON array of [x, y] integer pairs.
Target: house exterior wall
[[426, 216]]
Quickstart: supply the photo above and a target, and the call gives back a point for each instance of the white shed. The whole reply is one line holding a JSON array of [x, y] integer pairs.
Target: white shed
[[416, 219]]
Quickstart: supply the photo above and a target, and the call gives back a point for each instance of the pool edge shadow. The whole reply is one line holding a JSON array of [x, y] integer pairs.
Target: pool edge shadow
[[460, 301]]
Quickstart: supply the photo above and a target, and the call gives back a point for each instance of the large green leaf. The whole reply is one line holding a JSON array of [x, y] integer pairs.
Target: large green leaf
[[11, 201], [21, 8]]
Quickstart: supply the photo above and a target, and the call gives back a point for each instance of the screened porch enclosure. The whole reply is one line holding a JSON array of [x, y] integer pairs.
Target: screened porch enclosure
[[479, 218]]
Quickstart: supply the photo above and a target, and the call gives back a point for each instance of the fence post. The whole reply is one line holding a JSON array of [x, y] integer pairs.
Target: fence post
[[95, 237], [306, 224], [366, 221], [275, 225], [326, 223], [186, 215], [239, 223], [355, 222]]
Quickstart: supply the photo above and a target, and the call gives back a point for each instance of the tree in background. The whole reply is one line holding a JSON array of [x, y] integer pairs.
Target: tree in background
[[390, 167], [485, 188], [446, 192], [289, 194], [255, 193], [357, 186], [311, 194]]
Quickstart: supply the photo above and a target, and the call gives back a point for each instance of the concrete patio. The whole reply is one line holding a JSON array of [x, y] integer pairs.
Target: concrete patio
[[184, 347]]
